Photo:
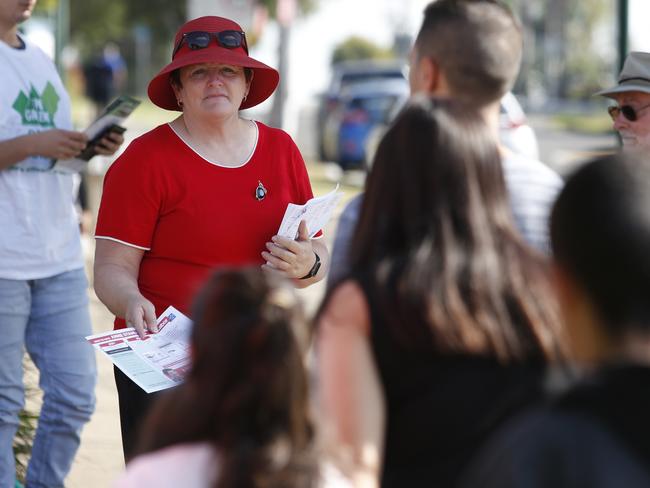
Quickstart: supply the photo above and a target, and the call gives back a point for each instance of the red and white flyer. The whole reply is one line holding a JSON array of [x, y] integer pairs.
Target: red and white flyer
[[158, 361]]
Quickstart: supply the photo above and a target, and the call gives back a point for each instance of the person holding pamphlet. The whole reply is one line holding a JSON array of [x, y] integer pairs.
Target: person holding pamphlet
[[43, 300], [205, 190]]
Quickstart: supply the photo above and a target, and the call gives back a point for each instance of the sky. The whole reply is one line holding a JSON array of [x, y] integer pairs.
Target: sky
[[639, 14]]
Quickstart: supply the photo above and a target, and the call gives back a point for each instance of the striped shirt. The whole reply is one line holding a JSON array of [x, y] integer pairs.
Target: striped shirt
[[532, 188]]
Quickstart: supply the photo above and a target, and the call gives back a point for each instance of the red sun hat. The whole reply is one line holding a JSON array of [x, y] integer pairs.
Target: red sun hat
[[265, 79]]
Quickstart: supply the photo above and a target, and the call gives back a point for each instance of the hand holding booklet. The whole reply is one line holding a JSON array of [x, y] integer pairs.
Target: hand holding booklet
[[113, 115], [316, 213], [158, 361]]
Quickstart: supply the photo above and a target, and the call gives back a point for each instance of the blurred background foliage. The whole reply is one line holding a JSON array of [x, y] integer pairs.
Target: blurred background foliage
[[569, 50], [130, 24], [356, 48]]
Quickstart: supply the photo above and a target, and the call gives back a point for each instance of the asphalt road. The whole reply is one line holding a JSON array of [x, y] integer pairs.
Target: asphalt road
[[565, 150]]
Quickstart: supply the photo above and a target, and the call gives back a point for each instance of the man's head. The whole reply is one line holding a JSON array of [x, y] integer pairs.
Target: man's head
[[631, 114], [13, 12], [466, 49]]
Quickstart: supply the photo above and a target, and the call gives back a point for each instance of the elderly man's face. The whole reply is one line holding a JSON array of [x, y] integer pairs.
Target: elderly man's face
[[635, 134]]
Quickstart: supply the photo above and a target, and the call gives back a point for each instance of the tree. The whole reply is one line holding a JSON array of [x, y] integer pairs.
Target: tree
[[355, 48], [276, 117], [567, 51], [304, 6], [95, 22]]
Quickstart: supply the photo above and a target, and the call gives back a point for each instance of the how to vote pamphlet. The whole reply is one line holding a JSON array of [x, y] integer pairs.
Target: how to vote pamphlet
[[316, 212], [158, 361], [109, 121]]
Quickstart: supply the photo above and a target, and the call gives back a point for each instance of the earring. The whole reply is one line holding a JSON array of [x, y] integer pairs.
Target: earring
[[245, 97], [180, 103]]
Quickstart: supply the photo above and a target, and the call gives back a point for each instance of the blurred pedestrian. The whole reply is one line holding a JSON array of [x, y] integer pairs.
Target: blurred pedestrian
[[470, 50], [105, 76], [206, 190], [598, 433], [630, 115], [447, 324], [113, 57], [241, 419], [43, 287], [98, 78]]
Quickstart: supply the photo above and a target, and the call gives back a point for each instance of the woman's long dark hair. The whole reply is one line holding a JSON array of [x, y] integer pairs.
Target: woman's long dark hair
[[246, 393], [437, 242]]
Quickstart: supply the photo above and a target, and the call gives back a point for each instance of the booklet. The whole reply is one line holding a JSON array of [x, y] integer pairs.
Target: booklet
[[109, 121], [158, 361], [316, 212]]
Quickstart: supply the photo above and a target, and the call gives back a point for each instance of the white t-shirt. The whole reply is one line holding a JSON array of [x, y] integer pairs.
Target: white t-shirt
[[194, 466], [39, 230]]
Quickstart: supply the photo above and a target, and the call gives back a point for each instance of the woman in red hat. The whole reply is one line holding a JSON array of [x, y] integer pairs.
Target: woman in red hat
[[208, 189]]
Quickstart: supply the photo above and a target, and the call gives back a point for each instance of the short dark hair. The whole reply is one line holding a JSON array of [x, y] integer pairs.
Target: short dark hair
[[476, 43], [600, 235], [437, 244]]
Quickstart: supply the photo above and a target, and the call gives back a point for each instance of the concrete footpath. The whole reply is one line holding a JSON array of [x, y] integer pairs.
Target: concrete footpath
[[99, 459]]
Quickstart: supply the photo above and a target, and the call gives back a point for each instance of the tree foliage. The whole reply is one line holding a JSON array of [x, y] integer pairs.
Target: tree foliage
[[568, 46], [94, 22], [355, 48], [304, 6]]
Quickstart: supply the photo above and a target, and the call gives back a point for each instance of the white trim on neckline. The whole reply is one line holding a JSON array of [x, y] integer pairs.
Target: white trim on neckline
[[217, 163]]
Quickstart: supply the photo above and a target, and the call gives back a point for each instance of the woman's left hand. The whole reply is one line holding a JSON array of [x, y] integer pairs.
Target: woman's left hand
[[291, 258]]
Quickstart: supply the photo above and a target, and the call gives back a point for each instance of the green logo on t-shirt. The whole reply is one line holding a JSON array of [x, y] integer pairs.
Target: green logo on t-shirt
[[38, 109]]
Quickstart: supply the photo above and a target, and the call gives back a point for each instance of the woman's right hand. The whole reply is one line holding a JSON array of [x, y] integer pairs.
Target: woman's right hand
[[141, 315], [116, 284]]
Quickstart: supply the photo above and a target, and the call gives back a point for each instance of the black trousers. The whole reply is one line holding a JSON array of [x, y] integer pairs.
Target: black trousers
[[135, 403]]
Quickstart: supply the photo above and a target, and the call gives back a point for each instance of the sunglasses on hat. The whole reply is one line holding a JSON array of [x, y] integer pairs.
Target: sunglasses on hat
[[629, 112], [230, 39]]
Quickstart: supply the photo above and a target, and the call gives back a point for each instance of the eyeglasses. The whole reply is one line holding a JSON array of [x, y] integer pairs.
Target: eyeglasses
[[629, 112], [230, 39]]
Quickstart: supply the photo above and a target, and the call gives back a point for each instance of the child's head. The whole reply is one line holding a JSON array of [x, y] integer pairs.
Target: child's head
[[248, 341], [600, 233], [246, 393]]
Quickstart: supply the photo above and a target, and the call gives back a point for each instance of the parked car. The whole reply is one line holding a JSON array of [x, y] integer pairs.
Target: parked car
[[514, 131], [344, 75], [361, 108]]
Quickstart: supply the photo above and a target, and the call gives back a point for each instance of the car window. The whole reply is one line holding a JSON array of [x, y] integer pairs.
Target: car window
[[378, 106]]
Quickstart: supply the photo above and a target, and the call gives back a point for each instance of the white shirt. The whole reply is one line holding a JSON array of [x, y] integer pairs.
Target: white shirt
[[39, 230]]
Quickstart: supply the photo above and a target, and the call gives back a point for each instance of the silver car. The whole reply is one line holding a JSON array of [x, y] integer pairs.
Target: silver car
[[514, 131]]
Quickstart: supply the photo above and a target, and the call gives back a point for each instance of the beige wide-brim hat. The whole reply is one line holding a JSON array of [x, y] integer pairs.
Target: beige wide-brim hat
[[635, 76]]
